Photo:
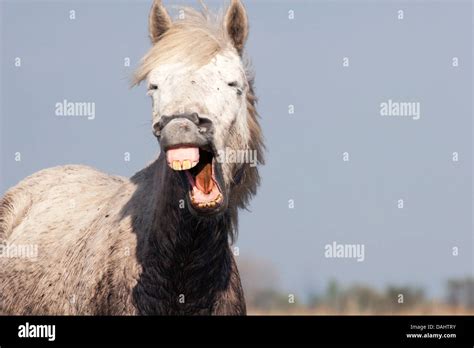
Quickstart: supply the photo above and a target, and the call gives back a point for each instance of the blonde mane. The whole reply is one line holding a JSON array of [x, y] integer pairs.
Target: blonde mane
[[194, 40]]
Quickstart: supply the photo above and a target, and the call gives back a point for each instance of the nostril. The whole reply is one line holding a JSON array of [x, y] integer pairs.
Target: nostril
[[205, 125], [204, 122], [157, 128], [194, 117], [162, 122]]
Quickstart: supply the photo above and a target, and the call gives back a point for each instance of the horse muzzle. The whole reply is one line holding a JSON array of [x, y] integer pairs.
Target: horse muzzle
[[187, 141], [182, 130]]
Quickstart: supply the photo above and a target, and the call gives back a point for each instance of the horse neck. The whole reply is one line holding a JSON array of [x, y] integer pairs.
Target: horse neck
[[186, 255]]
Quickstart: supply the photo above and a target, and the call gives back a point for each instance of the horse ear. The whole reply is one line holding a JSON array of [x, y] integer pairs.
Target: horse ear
[[236, 24], [158, 22]]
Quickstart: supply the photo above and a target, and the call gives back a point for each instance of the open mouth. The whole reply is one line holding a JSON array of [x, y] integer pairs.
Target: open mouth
[[199, 169]]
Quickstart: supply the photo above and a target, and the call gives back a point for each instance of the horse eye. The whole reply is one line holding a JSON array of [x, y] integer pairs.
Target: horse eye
[[152, 86], [233, 84]]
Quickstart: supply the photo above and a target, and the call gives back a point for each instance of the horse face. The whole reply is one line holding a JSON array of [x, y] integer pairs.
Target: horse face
[[200, 111], [215, 94]]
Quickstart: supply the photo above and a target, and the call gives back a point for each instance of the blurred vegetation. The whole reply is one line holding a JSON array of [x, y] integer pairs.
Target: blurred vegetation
[[364, 299], [264, 296], [461, 292]]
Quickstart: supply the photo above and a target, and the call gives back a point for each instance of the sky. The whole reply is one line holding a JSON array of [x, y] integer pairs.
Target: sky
[[336, 167]]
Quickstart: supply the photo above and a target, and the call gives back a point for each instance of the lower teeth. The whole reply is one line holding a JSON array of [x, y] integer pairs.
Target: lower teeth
[[211, 204]]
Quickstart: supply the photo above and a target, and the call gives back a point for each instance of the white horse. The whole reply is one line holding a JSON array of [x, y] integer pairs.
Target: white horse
[[157, 243]]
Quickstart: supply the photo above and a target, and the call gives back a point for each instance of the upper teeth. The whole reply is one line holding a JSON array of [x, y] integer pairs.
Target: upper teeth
[[186, 165], [183, 165]]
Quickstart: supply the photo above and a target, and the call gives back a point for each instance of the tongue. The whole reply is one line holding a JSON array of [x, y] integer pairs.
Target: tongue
[[182, 154], [204, 180]]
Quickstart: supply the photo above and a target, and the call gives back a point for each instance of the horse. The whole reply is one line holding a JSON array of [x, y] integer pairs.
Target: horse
[[160, 242]]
